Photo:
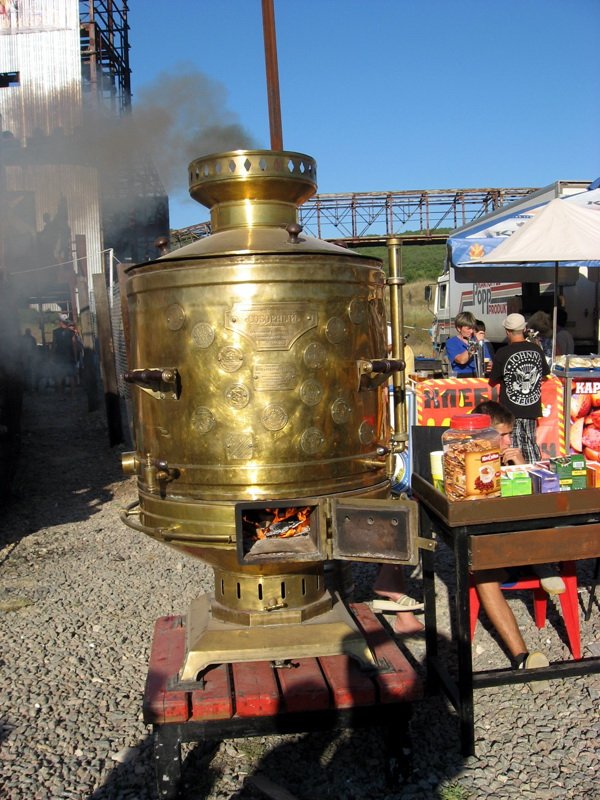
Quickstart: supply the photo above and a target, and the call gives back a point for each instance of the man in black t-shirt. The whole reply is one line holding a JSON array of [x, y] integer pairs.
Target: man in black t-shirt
[[519, 368]]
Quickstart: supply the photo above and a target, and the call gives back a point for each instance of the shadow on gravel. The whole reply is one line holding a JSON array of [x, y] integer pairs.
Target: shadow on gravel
[[377, 762], [325, 765], [135, 777], [67, 471], [414, 755], [352, 765], [66, 467]]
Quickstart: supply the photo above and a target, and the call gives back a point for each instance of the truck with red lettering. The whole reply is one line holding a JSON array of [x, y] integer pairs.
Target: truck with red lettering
[[491, 302]]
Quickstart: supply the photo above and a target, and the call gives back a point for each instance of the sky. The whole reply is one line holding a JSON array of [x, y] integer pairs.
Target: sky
[[386, 95]]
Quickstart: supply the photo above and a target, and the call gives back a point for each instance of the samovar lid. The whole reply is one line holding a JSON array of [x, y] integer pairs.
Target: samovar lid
[[248, 176], [253, 197]]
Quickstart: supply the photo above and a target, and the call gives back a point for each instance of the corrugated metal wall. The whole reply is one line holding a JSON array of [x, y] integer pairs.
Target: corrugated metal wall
[[121, 364], [39, 40], [118, 337], [41, 107], [58, 170], [78, 185]]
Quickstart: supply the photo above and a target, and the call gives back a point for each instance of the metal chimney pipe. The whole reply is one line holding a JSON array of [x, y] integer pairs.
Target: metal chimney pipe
[[272, 75]]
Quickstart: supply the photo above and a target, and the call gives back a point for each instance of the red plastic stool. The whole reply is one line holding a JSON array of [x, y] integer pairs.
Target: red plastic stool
[[568, 602]]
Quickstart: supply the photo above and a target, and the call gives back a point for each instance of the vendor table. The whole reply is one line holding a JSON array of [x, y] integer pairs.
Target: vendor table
[[262, 697], [499, 532]]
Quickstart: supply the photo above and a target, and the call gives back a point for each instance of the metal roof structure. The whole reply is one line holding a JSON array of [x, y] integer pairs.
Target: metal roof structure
[[420, 216], [105, 52]]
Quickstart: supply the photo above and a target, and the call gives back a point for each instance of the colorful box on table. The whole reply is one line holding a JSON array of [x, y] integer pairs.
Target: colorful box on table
[[515, 481], [593, 475], [543, 480], [571, 471]]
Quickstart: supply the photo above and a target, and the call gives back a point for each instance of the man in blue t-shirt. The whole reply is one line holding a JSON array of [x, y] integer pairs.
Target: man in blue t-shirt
[[461, 348]]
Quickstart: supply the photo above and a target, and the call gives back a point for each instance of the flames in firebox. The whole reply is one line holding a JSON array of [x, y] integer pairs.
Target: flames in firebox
[[285, 523]]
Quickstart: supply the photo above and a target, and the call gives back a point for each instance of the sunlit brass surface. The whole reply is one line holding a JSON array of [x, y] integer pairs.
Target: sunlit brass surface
[[244, 179], [396, 281], [210, 641], [264, 340], [193, 525], [266, 350], [130, 463], [245, 359], [296, 596]]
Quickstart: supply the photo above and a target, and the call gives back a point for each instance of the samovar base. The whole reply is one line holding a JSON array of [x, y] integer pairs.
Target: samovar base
[[212, 641]]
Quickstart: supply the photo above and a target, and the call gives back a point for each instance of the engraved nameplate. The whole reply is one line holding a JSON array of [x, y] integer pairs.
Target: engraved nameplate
[[239, 446], [274, 377], [271, 326]]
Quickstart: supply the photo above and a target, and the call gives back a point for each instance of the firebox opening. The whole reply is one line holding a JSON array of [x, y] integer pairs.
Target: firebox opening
[[277, 531]]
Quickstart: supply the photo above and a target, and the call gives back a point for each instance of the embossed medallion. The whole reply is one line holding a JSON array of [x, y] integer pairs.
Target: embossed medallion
[[366, 432], [202, 420], [335, 330], [237, 396], [230, 359], [340, 411], [315, 355], [311, 392], [175, 317], [274, 418], [203, 335], [312, 441], [357, 311]]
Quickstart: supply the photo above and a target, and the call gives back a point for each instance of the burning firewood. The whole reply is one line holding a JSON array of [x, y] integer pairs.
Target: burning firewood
[[286, 522]]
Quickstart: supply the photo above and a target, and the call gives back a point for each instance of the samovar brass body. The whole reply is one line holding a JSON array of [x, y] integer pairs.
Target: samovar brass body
[[247, 353]]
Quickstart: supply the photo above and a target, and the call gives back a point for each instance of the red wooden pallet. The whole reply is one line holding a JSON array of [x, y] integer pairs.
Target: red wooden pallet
[[258, 689], [168, 650]]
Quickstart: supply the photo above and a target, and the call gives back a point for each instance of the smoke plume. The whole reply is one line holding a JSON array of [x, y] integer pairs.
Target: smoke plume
[[139, 156], [181, 116]]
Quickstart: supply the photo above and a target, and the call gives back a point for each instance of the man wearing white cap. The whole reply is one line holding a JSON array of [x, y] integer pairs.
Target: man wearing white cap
[[519, 368]]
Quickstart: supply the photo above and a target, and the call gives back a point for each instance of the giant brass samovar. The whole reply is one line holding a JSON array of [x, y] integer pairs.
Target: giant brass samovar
[[258, 364]]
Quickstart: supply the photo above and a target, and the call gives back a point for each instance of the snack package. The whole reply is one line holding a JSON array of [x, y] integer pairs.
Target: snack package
[[543, 480], [471, 460], [571, 471], [515, 481]]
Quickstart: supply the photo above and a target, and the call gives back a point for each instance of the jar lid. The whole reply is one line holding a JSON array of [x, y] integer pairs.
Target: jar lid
[[471, 422]]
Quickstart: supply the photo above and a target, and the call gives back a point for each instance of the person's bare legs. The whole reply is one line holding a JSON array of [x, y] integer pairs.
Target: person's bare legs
[[498, 611], [390, 583], [407, 623]]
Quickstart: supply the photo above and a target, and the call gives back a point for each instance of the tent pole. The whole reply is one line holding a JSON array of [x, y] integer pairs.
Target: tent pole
[[555, 312]]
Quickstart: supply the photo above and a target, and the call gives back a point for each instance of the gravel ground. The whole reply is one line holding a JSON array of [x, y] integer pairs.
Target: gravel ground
[[80, 592]]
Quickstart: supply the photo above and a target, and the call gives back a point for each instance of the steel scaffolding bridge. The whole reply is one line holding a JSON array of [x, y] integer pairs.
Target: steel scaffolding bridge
[[104, 37], [419, 216]]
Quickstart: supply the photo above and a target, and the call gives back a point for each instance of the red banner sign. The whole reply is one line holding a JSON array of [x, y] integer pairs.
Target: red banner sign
[[437, 400], [584, 423]]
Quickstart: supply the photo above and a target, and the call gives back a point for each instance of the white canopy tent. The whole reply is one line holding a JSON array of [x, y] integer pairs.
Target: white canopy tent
[[565, 231], [559, 231]]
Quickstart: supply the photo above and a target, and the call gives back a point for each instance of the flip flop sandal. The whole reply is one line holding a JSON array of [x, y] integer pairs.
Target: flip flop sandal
[[404, 603]]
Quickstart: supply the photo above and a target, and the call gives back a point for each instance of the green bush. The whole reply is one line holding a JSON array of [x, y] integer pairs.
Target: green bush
[[419, 262]]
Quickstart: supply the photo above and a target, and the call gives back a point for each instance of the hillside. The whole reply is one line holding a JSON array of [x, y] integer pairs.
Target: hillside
[[421, 265], [419, 262]]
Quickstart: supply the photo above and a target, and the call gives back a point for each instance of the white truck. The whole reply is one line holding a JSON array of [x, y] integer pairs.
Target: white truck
[[490, 302]]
